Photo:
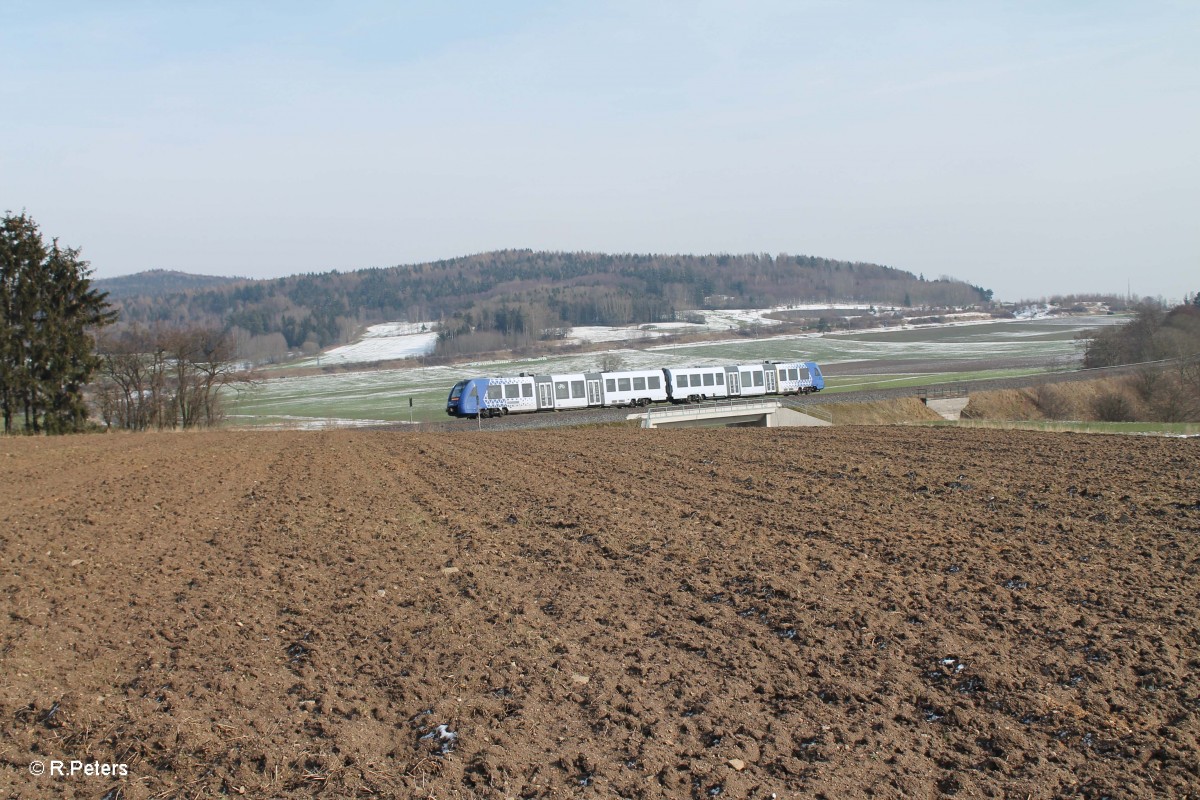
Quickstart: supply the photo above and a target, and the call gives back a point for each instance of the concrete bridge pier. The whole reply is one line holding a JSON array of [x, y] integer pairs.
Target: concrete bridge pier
[[948, 407], [729, 413]]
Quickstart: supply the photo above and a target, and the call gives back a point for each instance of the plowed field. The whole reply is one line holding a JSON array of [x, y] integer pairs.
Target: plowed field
[[601, 613]]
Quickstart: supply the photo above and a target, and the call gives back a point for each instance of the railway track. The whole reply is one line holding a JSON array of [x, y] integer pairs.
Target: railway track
[[604, 416]]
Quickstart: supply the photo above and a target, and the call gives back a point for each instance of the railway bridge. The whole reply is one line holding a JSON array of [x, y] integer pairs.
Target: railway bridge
[[731, 414]]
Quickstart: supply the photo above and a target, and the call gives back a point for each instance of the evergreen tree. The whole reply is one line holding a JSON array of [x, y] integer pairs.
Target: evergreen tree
[[48, 306]]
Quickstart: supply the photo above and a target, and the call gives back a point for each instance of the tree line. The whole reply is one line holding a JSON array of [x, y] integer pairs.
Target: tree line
[[516, 297], [48, 306], [165, 378], [1167, 342], [60, 350]]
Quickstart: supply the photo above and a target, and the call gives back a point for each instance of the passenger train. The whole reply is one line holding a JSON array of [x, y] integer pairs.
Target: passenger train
[[492, 397]]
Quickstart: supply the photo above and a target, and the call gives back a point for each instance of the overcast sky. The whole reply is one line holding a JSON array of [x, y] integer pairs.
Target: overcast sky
[[1032, 148]]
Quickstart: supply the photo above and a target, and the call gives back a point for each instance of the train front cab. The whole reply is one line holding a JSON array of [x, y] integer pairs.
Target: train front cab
[[818, 380], [454, 399], [466, 398]]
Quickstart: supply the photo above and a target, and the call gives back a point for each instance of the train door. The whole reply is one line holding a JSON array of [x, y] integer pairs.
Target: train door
[[546, 395], [772, 386], [593, 392], [733, 383]]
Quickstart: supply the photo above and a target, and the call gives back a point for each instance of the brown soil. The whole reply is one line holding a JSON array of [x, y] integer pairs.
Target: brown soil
[[690, 613]]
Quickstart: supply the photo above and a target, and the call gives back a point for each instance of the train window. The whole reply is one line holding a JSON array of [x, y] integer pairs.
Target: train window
[[653, 382], [804, 373], [623, 384], [512, 391], [494, 391], [758, 377], [561, 391], [720, 379], [681, 381], [747, 380], [708, 379], [639, 384], [793, 375], [577, 389], [610, 385], [526, 390]]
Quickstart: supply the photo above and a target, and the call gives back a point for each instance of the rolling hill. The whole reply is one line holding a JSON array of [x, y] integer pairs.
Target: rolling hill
[[513, 298]]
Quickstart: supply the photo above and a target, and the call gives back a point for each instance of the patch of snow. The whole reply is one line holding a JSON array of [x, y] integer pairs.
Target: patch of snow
[[1035, 311], [723, 319], [600, 333], [388, 341], [296, 423]]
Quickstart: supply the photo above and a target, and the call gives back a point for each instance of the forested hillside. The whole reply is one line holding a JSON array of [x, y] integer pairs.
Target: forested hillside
[[515, 297], [158, 282]]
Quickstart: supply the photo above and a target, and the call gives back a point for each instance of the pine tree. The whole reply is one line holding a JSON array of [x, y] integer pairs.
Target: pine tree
[[48, 307]]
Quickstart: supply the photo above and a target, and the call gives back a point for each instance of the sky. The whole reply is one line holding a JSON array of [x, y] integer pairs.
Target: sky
[[1033, 148]]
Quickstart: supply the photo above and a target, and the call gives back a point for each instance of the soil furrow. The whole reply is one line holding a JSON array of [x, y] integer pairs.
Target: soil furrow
[[606, 612]]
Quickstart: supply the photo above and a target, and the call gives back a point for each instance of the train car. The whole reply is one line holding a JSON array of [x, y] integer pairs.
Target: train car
[[576, 390], [639, 387], [751, 380], [694, 384], [510, 395], [489, 397]]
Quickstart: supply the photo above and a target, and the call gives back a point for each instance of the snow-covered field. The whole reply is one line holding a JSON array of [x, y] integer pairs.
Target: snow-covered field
[[392, 341], [387, 342], [726, 319], [293, 423]]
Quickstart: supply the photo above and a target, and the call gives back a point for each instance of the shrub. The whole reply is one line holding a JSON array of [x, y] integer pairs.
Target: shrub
[[1112, 406], [1051, 401]]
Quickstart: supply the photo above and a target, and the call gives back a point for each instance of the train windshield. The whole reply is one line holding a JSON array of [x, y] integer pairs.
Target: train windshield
[[456, 392]]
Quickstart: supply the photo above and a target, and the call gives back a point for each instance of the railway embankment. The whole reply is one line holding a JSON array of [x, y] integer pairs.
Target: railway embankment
[[1010, 398]]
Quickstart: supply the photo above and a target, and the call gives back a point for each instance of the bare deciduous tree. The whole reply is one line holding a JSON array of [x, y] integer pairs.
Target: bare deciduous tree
[[167, 378]]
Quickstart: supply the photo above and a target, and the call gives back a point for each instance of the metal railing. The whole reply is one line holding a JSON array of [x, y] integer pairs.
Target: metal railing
[[943, 390], [811, 409]]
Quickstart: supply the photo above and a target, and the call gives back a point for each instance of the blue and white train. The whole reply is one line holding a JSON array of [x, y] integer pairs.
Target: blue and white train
[[492, 397]]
